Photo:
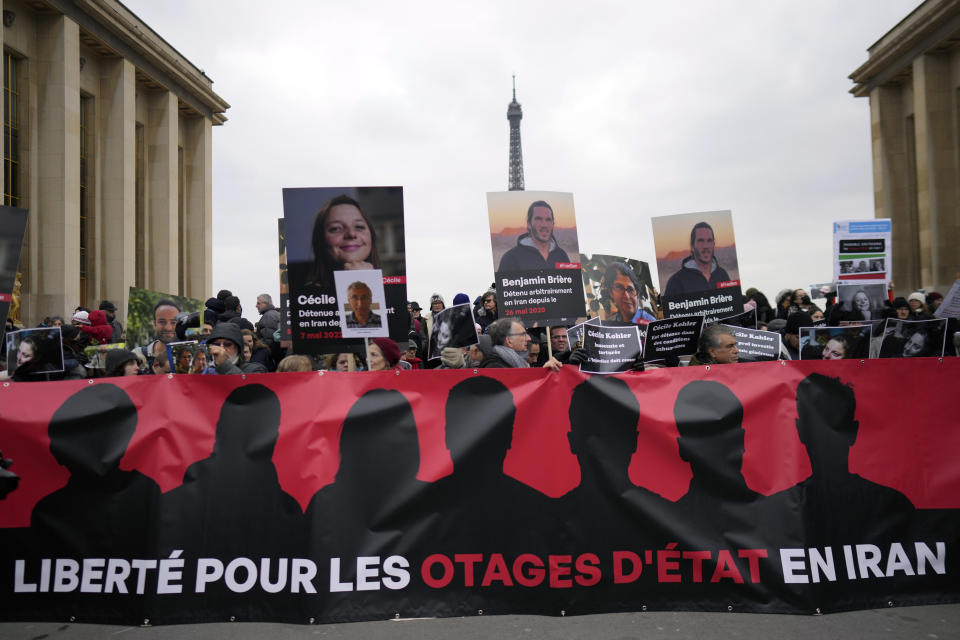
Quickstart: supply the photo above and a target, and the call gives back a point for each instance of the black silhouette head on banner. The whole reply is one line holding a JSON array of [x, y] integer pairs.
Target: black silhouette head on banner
[[709, 419], [249, 423], [90, 432], [838, 505], [826, 423], [102, 509], [479, 425], [379, 448], [603, 427]]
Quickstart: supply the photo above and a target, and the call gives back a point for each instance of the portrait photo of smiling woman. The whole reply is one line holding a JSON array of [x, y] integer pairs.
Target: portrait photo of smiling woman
[[341, 230], [343, 239]]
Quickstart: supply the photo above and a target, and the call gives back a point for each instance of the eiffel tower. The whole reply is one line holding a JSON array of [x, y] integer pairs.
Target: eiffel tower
[[514, 115]]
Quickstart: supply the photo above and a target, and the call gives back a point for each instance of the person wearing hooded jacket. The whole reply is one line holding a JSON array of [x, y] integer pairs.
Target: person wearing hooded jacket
[[226, 349], [700, 271], [99, 330], [537, 248]]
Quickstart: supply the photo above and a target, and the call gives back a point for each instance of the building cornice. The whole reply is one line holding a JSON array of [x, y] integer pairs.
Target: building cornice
[[122, 32], [929, 27]]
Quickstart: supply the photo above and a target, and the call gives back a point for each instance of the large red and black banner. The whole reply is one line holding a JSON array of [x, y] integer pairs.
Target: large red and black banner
[[767, 487]]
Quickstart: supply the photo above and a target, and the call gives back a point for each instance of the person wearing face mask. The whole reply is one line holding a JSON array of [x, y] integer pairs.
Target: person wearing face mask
[[800, 301]]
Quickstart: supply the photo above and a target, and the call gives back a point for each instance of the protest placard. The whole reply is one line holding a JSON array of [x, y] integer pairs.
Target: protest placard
[[34, 352], [950, 306], [850, 342], [360, 303], [755, 345], [697, 264], [153, 315], [453, 327], [676, 336], [747, 320], [536, 258], [862, 250], [823, 290], [862, 301], [610, 349], [330, 230], [618, 289], [188, 357], [913, 338]]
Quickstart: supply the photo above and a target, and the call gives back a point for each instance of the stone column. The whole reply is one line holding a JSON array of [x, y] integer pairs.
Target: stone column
[[162, 208], [57, 208], [936, 170], [118, 186], [893, 195], [198, 170]]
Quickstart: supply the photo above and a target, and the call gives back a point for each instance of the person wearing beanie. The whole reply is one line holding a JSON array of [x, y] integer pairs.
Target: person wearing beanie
[[81, 318], [382, 354], [410, 355], [110, 310], [226, 349], [477, 352], [74, 358], [213, 307], [902, 308], [918, 305], [121, 362]]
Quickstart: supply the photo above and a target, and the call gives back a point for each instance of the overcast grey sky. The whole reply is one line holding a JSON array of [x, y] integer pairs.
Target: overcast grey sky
[[640, 109]]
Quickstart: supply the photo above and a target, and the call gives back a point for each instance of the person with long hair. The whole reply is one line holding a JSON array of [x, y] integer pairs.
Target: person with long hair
[[343, 240]]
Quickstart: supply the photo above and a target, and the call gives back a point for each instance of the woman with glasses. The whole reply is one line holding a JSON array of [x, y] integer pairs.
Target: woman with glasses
[[621, 288]]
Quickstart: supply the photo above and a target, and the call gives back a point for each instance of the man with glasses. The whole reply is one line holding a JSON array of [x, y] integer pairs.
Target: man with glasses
[[510, 341], [226, 346], [620, 287], [360, 299]]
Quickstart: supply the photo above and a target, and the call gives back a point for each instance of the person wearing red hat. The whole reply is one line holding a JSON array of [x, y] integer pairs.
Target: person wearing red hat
[[382, 354]]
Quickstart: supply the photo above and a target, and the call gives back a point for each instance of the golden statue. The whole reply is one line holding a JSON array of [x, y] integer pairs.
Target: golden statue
[[14, 313]]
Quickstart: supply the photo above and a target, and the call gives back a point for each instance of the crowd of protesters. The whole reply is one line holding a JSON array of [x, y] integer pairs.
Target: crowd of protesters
[[235, 345]]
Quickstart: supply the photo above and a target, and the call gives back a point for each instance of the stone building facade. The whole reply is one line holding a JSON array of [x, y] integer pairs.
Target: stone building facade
[[912, 78], [108, 144]]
